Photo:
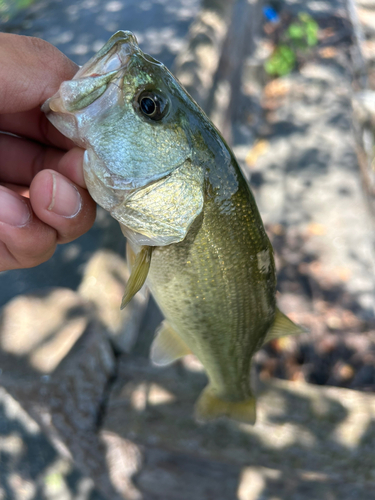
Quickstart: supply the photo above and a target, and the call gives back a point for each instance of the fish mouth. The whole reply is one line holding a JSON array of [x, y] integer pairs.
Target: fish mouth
[[113, 56], [108, 65]]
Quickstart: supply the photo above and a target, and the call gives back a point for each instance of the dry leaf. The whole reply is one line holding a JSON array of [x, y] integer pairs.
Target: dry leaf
[[328, 52], [316, 229], [259, 148]]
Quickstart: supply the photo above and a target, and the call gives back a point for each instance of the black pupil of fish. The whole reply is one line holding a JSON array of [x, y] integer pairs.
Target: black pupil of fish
[[148, 106]]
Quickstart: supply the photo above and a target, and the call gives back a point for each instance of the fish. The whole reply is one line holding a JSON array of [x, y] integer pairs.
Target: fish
[[159, 166]]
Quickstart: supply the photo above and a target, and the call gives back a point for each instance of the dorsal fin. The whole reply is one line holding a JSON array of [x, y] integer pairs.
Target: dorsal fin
[[138, 275], [281, 327], [167, 346]]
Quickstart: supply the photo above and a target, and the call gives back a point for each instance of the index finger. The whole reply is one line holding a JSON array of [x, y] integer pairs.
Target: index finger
[[31, 70], [33, 124]]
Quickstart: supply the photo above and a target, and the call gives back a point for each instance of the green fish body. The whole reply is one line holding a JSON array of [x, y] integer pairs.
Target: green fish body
[[161, 168]]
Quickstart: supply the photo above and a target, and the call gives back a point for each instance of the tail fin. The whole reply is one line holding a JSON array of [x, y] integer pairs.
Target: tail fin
[[210, 407]]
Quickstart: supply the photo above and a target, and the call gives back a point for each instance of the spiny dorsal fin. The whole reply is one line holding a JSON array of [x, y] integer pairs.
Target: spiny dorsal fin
[[281, 327], [138, 275], [167, 346]]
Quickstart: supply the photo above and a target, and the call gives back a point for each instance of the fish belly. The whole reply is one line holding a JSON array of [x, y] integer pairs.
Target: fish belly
[[217, 290]]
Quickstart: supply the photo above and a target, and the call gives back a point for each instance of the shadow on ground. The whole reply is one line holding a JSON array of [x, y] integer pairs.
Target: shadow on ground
[[127, 426]]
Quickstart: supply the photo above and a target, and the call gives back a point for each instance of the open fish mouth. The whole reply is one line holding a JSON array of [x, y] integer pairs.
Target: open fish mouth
[[100, 108], [90, 82], [113, 56]]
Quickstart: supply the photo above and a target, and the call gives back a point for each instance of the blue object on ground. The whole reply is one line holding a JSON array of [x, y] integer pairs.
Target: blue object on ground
[[270, 14]]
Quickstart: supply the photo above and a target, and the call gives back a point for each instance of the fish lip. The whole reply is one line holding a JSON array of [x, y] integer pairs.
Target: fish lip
[[123, 44], [112, 58], [116, 52], [120, 37]]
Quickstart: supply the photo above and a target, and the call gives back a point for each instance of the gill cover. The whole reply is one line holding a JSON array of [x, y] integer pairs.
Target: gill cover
[[136, 167], [164, 210]]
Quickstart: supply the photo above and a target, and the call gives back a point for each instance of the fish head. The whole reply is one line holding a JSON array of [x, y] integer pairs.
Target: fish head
[[130, 115]]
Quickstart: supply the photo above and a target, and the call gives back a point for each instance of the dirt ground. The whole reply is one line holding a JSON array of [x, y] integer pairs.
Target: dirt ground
[[82, 413]]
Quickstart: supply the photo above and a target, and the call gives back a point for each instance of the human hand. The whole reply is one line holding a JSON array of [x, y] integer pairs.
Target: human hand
[[43, 200]]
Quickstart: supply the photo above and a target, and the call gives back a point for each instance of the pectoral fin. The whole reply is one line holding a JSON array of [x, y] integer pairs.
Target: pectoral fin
[[210, 407], [138, 275], [281, 327], [167, 346]]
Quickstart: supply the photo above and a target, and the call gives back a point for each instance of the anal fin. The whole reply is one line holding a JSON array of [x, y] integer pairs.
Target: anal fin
[[167, 346], [138, 275], [281, 327], [210, 407]]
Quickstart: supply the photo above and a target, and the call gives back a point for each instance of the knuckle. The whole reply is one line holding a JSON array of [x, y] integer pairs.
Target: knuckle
[[33, 244], [15, 258], [38, 162], [78, 225], [39, 45], [28, 259]]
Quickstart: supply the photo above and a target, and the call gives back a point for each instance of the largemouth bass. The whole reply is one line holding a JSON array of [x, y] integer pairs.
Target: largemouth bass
[[156, 162]]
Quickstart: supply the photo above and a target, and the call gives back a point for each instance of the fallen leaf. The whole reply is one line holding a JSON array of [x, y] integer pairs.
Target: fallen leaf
[[328, 52], [259, 148], [316, 229], [334, 322], [344, 273], [276, 88], [345, 371], [277, 229]]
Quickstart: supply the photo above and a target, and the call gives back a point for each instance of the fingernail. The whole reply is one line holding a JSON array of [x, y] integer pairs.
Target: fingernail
[[66, 200], [13, 210]]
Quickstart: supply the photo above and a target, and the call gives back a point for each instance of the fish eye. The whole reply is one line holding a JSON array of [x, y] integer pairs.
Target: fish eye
[[152, 105]]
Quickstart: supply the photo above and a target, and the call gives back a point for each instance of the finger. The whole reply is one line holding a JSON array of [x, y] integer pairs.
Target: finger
[[25, 241], [34, 71], [21, 160], [16, 188], [71, 166], [33, 124], [62, 205]]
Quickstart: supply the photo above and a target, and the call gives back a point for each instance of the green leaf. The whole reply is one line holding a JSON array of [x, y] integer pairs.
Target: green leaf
[[304, 17], [9, 8], [296, 31], [311, 39], [304, 32], [281, 62], [287, 53]]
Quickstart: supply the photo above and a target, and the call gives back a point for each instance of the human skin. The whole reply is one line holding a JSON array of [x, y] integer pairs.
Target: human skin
[[43, 196]]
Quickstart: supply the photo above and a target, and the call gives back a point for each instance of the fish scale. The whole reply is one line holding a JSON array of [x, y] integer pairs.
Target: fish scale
[[156, 162], [230, 315]]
